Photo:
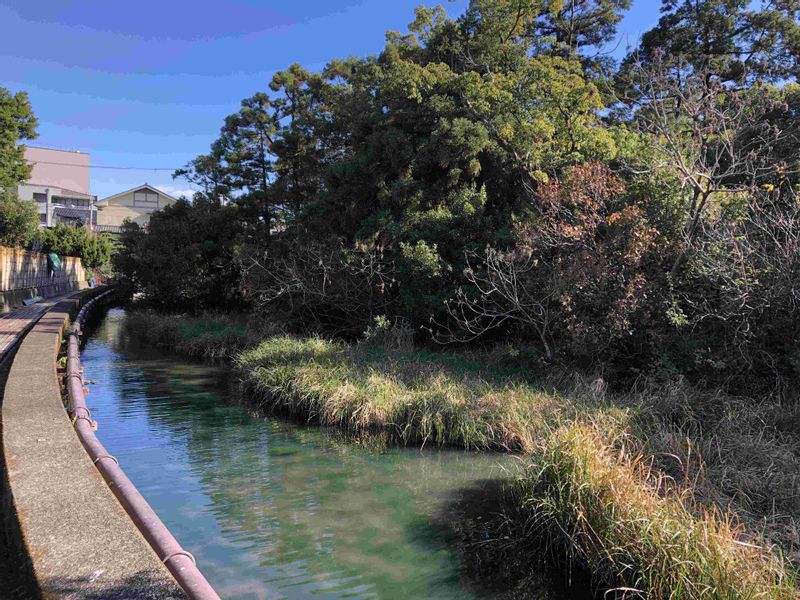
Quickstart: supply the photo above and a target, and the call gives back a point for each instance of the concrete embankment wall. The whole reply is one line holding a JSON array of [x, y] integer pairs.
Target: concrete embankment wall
[[79, 541], [25, 274]]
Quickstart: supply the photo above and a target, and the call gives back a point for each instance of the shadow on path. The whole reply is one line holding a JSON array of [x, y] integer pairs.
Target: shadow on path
[[138, 587], [16, 573]]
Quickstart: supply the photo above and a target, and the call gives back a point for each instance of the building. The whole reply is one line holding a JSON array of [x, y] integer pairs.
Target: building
[[135, 204], [59, 185]]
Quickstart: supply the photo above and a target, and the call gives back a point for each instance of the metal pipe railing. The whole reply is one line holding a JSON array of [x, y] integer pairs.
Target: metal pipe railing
[[179, 562]]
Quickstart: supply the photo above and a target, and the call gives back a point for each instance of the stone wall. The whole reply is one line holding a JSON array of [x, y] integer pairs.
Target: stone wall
[[25, 275]]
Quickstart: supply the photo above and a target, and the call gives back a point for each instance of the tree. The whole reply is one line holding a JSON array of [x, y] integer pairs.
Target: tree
[[17, 123], [18, 220], [741, 294], [582, 277], [62, 239], [186, 259], [245, 142], [498, 34], [478, 159], [207, 171], [556, 27], [93, 250], [733, 40], [97, 251], [321, 284], [298, 145], [570, 26], [719, 140], [418, 159], [698, 87]]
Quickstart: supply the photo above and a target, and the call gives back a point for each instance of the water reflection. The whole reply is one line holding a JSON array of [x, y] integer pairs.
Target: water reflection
[[272, 510]]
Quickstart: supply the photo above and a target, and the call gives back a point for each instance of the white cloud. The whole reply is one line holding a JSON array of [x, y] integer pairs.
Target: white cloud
[[175, 191]]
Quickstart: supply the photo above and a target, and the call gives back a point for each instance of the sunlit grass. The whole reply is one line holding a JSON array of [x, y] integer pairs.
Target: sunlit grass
[[416, 397]]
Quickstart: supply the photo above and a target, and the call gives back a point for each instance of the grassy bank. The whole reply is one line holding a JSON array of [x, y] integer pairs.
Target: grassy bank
[[667, 491], [415, 397]]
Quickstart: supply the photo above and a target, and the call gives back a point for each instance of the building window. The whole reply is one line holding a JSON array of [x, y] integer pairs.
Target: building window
[[43, 218], [73, 202], [145, 199], [40, 197]]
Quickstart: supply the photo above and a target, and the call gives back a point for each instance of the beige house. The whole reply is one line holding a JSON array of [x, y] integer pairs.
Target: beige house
[[136, 204]]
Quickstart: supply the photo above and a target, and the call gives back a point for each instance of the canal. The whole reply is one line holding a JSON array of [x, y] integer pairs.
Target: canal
[[271, 509]]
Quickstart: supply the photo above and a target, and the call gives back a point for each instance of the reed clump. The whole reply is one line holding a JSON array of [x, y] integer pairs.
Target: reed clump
[[415, 396]]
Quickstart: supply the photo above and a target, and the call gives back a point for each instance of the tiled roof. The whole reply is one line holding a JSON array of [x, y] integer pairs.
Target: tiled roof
[[72, 212], [108, 228]]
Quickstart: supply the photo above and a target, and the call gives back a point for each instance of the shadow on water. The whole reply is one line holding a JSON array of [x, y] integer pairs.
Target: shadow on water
[[500, 551], [277, 510]]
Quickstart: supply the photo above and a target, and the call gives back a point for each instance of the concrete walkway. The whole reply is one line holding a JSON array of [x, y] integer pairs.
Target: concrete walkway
[[80, 541]]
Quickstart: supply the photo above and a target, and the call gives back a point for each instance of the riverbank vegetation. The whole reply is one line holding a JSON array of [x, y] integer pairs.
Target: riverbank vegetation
[[489, 178], [660, 489], [492, 235], [213, 337]]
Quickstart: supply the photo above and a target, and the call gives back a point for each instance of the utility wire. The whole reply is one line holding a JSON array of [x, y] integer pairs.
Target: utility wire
[[45, 162]]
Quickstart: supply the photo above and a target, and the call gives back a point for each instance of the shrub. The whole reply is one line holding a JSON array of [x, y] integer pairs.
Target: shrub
[[741, 296], [93, 250], [209, 336], [585, 276], [324, 285]]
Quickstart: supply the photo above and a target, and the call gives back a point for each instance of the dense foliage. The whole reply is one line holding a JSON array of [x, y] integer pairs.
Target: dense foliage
[[185, 258], [493, 177], [18, 220], [93, 250]]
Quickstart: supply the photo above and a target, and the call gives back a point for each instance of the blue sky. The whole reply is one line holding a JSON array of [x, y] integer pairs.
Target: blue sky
[[148, 83]]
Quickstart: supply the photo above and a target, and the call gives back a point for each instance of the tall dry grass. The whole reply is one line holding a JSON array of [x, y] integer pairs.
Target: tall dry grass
[[415, 397], [594, 494]]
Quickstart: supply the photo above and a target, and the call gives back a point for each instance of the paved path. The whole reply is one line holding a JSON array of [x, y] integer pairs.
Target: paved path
[[14, 325]]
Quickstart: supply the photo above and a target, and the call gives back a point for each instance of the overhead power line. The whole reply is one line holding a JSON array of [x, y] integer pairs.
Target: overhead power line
[[46, 162]]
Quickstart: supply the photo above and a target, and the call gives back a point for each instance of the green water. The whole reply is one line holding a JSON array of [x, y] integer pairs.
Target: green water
[[274, 510]]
